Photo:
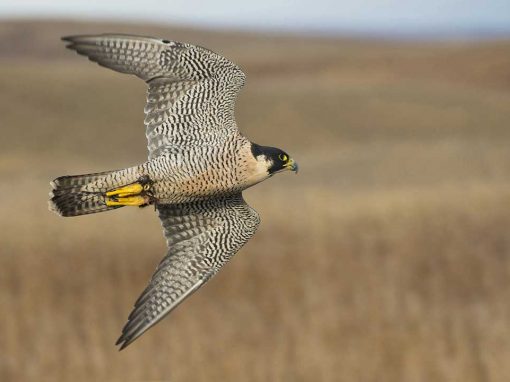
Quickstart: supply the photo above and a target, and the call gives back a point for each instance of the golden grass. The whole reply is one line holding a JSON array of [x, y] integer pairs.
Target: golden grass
[[385, 259]]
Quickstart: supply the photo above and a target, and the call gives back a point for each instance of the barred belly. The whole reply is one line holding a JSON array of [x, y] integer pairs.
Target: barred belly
[[194, 174]]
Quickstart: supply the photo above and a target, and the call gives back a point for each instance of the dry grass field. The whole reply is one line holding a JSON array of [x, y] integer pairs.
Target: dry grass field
[[386, 259]]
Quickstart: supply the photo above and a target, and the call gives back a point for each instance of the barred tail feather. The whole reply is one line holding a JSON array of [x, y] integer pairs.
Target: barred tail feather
[[71, 181], [75, 195]]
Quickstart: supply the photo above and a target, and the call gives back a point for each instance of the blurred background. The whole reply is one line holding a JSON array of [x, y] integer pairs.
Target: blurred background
[[387, 258]]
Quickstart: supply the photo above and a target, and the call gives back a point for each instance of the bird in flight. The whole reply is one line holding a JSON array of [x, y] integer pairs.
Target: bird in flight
[[198, 165]]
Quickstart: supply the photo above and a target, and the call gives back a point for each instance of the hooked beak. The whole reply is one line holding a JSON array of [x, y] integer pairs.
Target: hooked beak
[[292, 165]]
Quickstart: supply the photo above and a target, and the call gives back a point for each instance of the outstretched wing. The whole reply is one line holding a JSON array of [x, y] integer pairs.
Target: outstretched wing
[[192, 90], [201, 236]]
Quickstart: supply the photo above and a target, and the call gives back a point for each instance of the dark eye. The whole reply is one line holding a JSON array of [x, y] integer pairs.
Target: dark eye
[[283, 157]]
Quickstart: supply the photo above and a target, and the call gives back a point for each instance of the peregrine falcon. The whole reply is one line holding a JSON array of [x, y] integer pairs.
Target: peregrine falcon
[[198, 165]]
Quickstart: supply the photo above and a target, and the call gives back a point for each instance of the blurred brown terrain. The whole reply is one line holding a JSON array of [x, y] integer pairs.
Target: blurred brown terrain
[[386, 259]]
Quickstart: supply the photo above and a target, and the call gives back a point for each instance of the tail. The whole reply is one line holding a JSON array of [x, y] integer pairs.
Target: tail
[[80, 194]]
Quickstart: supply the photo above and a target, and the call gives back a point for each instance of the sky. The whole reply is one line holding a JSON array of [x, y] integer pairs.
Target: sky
[[491, 17]]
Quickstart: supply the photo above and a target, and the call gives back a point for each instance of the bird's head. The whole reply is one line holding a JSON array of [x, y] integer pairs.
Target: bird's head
[[273, 160]]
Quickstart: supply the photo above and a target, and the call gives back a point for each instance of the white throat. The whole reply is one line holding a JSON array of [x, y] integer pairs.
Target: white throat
[[258, 170]]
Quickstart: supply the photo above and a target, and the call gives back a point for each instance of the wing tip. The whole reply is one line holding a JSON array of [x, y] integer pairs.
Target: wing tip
[[77, 37], [72, 39], [122, 342], [126, 338], [70, 42], [79, 40]]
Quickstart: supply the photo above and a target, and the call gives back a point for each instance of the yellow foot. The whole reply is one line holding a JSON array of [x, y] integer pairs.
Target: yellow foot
[[143, 183], [137, 200], [130, 189], [134, 194]]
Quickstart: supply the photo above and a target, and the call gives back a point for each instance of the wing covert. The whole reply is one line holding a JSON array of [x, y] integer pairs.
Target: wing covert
[[201, 237]]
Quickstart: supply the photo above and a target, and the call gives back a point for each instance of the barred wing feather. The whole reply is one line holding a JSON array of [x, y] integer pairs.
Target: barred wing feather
[[192, 90], [201, 237]]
